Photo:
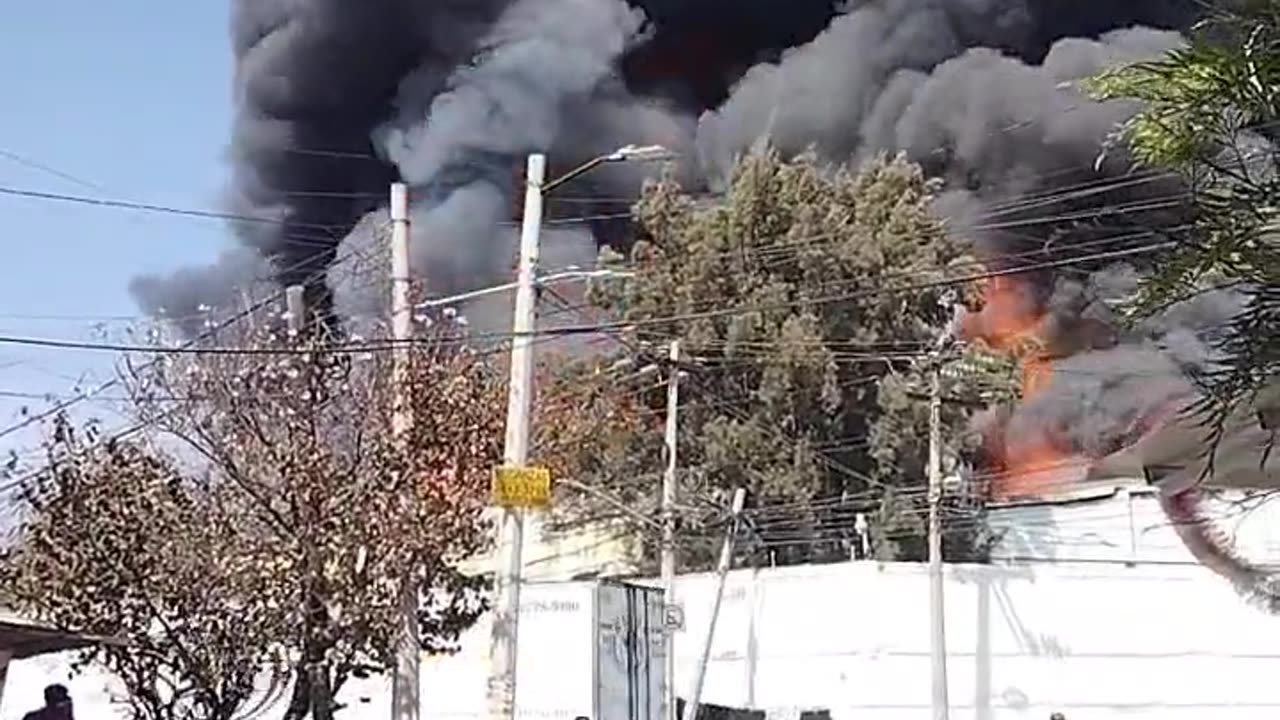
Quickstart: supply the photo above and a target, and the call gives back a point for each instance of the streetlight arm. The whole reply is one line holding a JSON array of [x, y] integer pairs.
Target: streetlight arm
[[582, 169], [629, 153]]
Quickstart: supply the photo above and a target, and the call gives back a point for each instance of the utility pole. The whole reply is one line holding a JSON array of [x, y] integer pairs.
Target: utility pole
[[506, 611], [296, 308], [5, 657], [722, 574], [247, 302], [669, 534], [937, 607], [404, 684]]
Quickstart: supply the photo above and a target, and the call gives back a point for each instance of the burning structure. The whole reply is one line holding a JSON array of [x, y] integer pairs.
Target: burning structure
[[334, 99]]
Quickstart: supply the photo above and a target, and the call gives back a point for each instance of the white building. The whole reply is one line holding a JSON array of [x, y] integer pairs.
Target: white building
[[1092, 609], [22, 642]]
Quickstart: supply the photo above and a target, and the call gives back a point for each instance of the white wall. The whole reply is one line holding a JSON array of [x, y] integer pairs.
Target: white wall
[[555, 671], [1127, 524], [1091, 640], [1079, 630]]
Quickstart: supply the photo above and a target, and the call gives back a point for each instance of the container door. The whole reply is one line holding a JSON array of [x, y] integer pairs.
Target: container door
[[628, 677]]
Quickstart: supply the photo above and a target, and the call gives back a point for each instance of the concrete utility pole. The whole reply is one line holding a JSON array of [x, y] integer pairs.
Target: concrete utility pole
[[722, 574], [5, 657], [296, 308], [937, 607], [404, 683], [506, 611], [669, 532], [247, 302]]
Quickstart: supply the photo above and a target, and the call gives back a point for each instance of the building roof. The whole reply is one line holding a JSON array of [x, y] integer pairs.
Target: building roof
[[25, 638]]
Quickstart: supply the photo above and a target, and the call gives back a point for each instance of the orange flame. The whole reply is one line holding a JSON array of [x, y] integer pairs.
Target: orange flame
[[1014, 321], [1036, 468], [1008, 316], [1011, 320]]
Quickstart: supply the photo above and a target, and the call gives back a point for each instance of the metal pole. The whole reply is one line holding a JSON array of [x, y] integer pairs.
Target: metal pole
[[669, 533], [404, 685], [503, 643], [722, 573], [937, 607]]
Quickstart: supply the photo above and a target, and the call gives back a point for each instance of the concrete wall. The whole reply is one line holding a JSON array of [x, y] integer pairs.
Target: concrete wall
[[1092, 640], [596, 549], [1079, 627]]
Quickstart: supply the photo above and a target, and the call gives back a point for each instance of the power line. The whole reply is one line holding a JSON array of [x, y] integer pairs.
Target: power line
[[914, 287], [234, 217], [35, 165], [149, 207], [616, 325], [247, 312], [329, 153]]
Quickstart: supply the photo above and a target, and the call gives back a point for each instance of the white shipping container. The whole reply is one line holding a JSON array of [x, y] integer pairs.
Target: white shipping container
[[591, 650]]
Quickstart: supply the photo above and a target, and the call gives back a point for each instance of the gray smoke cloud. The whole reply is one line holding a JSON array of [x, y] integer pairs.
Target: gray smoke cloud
[[540, 74], [462, 156], [191, 298], [1020, 149], [335, 99], [508, 100], [995, 127], [1097, 400], [312, 79]]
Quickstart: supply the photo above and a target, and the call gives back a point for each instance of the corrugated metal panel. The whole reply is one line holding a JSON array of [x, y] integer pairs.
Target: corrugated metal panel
[[629, 679], [1126, 525]]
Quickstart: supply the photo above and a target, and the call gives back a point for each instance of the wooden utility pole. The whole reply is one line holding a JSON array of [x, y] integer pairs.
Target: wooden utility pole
[[404, 687], [669, 534], [937, 606]]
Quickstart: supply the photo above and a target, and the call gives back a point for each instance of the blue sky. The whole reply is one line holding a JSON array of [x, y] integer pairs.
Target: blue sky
[[132, 96]]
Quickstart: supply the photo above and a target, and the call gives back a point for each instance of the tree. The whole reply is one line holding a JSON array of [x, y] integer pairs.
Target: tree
[[119, 545], [287, 446], [1209, 113], [804, 304]]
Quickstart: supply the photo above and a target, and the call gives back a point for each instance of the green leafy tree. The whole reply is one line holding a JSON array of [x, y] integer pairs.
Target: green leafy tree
[[1209, 112], [804, 305]]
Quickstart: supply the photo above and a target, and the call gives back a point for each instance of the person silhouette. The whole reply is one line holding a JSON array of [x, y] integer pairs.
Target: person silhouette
[[57, 705]]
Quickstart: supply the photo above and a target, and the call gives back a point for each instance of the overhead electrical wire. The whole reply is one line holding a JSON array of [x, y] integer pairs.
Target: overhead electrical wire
[[240, 218], [634, 324], [361, 156], [605, 326], [236, 317], [164, 209], [42, 167]]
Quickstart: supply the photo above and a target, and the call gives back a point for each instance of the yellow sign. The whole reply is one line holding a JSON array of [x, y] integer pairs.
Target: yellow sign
[[525, 487]]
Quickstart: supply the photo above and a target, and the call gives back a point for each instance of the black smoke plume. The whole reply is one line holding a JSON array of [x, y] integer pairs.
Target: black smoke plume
[[318, 83]]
